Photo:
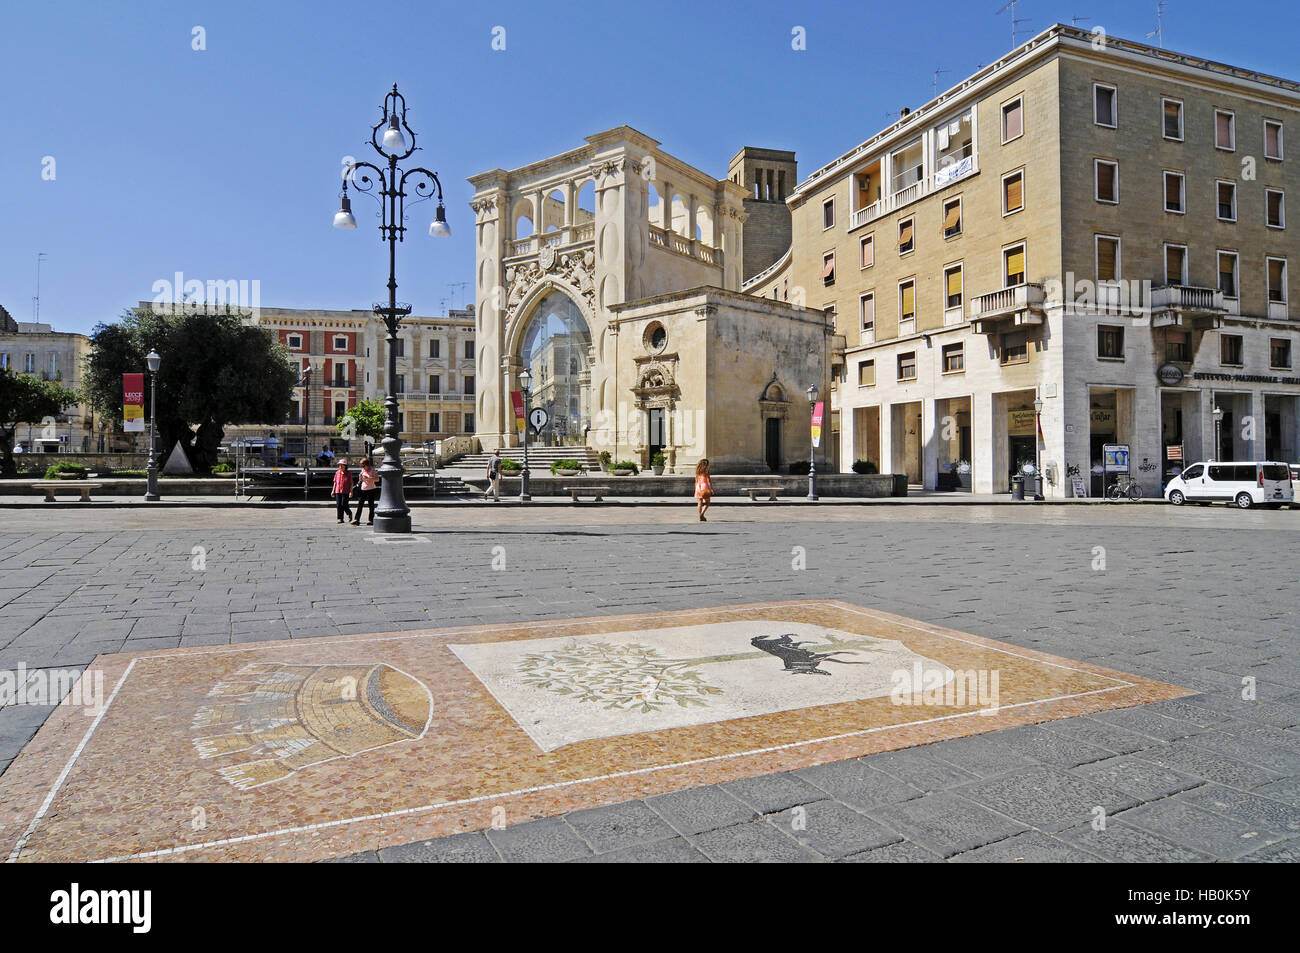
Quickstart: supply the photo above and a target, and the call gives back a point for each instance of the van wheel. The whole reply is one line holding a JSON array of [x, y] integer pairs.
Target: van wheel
[[1244, 501], [1177, 498]]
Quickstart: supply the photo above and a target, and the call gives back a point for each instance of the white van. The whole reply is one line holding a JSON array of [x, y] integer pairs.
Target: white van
[[1261, 483]]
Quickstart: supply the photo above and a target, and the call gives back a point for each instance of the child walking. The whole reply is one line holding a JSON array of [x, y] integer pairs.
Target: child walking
[[703, 488], [342, 490], [369, 479]]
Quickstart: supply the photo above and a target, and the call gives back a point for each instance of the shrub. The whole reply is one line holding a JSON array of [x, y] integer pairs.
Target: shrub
[[865, 466], [513, 466], [223, 468], [658, 459], [625, 465], [565, 465], [799, 467], [66, 466], [605, 457]]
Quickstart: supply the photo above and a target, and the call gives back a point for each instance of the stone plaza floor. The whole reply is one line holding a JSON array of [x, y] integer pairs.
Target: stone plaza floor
[[714, 703]]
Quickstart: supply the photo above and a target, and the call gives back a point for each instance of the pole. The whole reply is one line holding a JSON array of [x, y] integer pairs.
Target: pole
[[306, 438], [392, 515], [1038, 457], [151, 486], [812, 456], [523, 477]]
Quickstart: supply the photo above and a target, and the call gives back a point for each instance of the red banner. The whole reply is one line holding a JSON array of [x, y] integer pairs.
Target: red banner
[[817, 423], [517, 399], [133, 403]]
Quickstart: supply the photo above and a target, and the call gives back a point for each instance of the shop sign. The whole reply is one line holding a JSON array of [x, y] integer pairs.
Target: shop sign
[[1246, 378], [1103, 420], [1170, 375], [1020, 423]]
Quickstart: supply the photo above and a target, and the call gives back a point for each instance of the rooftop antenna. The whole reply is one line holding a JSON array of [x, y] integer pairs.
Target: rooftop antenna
[[1075, 21], [36, 301], [1159, 31], [1014, 21], [456, 288], [935, 81]]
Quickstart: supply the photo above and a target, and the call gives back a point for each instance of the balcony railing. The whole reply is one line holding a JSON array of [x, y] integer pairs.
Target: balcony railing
[[687, 247], [568, 235], [1176, 305], [917, 190], [1021, 304]]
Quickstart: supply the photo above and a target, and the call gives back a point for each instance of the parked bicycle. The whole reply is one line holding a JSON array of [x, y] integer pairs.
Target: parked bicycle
[[1124, 486]]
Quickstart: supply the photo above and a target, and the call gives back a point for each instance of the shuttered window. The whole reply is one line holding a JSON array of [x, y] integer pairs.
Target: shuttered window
[[1225, 133], [1277, 279], [1107, 258], [1175, 264], [1013, 193], [1228, 274], [905, 238], [828, 268], [1173, 119], [1272, 139], [1012, 120], [1107, 181], [952, 218], [1174, 185], [1015, 265], [867, 308], [907, 301], [868, 251], [952, 284]]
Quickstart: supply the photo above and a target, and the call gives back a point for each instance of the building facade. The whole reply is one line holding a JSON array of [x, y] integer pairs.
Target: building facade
[[39, 350], [1098, 226]]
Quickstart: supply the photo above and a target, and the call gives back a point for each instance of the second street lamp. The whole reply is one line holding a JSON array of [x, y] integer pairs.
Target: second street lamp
[[390, 187], [1038, 464], [525, 382], [151, 471], [812, 448]]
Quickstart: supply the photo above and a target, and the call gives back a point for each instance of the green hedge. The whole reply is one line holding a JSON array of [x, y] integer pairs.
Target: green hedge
[[557, 465], [52, 473]]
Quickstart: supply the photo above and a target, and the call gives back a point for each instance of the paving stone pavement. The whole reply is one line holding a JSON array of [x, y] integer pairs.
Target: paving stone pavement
[[1207, 777]]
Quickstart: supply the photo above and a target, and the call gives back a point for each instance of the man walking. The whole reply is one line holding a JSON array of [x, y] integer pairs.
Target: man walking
[[494, 477]]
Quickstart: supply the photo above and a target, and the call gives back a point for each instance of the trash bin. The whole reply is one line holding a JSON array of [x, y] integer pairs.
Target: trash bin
[[1018, 487]]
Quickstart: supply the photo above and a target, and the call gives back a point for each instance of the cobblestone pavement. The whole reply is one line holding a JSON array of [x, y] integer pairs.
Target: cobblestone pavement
[[1203, 598]]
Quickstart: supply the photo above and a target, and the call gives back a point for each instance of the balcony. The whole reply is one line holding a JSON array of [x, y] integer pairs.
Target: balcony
[[344, 383], [917, 190], [569, 235], [1187, 306], [1018, 305], [686, 247]]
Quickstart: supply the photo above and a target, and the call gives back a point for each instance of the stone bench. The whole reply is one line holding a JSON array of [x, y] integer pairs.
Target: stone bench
[[50, 486], [756, 491], [575, 492]]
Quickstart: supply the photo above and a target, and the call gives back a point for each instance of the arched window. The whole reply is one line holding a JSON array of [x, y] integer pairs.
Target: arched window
[[556, 349], [553, 211]]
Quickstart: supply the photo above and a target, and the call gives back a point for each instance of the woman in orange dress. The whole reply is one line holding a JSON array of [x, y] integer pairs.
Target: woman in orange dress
[[703, 488]]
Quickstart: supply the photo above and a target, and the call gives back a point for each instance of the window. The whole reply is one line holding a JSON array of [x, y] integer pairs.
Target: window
[[1106, 176], [435, 423], [1110, 342], [399, 384], [1013, 120], [867, 312], [952, 217], [1013, 260], [1225, 130], [868, 250], [54, 365], [400, 349], [1272, 139], [295, 342], [954, 358], [1175, 192], [29, 363], [867, 374], [435, 349], [469, 350], [340, 408], [340, 375], [1103, 105], [1107, 257], [954, 148], [1230, 349], [906, 236], [1175, 264], [1227, 200], [1276, 268], [1279, 353], [401, 422], [1013, 192], [906, 306], [828, 214], [908, 165], [435, 383], [1178, 347], [907, 366], [340, 342], [952, 289], [469, 423], [828, 269], [1015, 347], [1228, 273], [4, 360], [1173, 111], [468, 383], [1275, 208]]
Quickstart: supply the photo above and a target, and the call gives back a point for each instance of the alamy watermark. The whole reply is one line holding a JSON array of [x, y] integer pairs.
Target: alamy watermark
[[933, 687], [182, 295], [50, 686]]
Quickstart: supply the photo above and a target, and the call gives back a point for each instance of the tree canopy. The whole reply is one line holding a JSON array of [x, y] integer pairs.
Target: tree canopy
[[25, 399], [215, 370], [365, 418]]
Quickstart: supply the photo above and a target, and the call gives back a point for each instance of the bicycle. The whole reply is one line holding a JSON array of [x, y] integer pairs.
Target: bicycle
[[1122, 487]]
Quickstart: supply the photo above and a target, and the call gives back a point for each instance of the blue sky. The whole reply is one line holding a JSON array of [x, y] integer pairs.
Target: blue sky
[[224, 163]]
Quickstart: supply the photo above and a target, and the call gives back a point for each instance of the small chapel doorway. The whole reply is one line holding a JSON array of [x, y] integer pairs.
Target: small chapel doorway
[[656, 442], [772, 443]]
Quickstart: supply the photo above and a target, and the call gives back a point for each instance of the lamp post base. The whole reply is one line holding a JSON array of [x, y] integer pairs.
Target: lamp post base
[[392, 524]]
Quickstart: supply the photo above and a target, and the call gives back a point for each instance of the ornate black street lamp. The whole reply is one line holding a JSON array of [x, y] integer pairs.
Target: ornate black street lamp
[[151, 471], [1038, 458], [390, 188], [812, 450], [525, 384], [304, 381]]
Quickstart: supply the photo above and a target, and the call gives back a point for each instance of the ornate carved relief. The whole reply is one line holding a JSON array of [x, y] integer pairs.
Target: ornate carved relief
[[573, 269]]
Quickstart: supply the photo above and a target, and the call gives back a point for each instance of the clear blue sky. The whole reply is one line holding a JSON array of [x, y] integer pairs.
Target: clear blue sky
[[224, 163]]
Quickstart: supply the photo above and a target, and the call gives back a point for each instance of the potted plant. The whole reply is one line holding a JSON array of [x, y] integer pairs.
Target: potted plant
[[566, 468], [605, 458], [624, 468], [510, 466], [657, 463], [66, 471], [962, 469], [223, 470]]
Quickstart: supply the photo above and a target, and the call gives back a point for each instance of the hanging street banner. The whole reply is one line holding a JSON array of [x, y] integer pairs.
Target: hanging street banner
[[133, 403], [517, 399], [817, 424]]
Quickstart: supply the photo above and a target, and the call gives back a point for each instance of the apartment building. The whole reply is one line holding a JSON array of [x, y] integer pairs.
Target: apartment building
[[1099, 227], [37, 349], [435, 375]]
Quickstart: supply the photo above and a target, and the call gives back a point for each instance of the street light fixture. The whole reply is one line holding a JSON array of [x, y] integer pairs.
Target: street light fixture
[[151, 471], [812, 450], [525, 384], [304, 381], [390, 188], [1038, 466], [1218, 432]]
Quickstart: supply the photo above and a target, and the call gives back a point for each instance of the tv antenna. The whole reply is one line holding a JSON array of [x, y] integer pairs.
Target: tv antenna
[[1159, 31], [1014, 21], [935, 82], [36, 301], [456, 288], [1075, 21]]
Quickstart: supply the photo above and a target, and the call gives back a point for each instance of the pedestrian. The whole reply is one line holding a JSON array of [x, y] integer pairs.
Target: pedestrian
[[369, 481], [342, 490], [494, 476], [703, 488], [324, 457]]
